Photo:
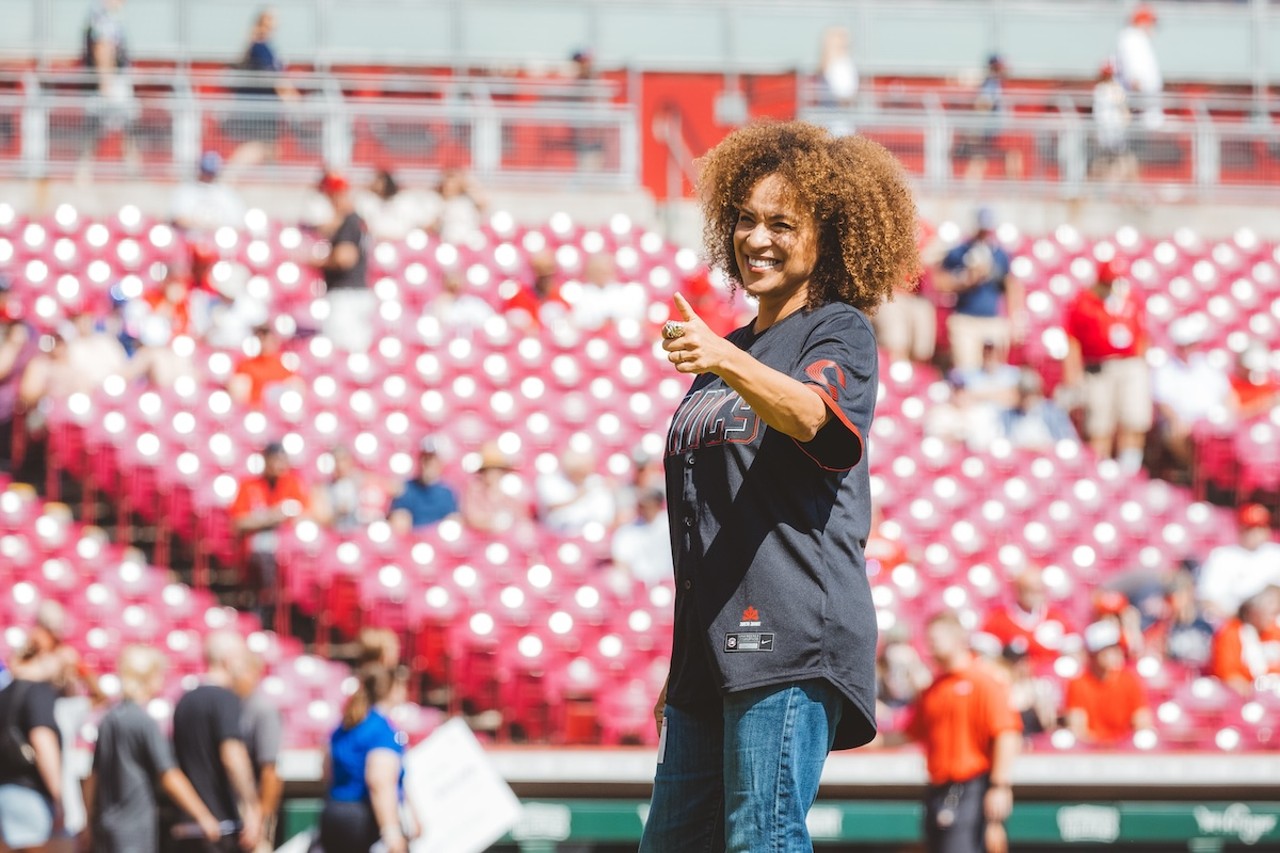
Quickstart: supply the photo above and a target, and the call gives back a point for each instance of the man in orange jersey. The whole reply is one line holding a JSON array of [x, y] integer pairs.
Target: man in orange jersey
[[971, 736], [1247, 647], [1107, 702]]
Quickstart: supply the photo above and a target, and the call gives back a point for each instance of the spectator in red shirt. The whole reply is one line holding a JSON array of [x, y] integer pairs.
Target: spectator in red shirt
[[1107, 336], [971, 735], [538, 303], [1247, 647], [263, 505], [172, 302], [256, 375], [1253, 388], [1107, 702], [1030, 623]]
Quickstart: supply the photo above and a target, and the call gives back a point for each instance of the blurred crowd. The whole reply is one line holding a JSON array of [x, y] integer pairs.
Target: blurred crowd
[[1088, 683], [211, 782]]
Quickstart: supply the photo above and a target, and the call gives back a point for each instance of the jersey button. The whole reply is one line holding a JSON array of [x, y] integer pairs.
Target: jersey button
[[688, 584], [688, 521], [690, 459]]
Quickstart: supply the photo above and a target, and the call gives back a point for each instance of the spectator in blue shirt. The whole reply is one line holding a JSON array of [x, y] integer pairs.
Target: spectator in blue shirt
[[977, 272], [1034, 423], [365, 770], [426, 499]]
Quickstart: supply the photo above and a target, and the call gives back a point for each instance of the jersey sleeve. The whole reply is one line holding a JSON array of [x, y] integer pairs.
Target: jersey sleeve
[[839, 362], [383, 736]]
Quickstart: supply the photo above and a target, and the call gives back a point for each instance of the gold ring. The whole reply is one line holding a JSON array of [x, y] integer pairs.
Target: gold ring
[[672, 330]]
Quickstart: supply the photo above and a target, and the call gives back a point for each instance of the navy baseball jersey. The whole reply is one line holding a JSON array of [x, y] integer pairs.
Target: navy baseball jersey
[[768, 532]]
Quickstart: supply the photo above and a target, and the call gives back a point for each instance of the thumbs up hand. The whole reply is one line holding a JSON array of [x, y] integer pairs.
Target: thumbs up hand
[[690, 345]]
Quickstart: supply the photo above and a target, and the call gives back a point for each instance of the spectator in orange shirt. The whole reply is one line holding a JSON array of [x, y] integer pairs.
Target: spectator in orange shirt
[[1107, 702], [971, 735], [1247, 647], [1030, 623], [263, 505], [257, 375]]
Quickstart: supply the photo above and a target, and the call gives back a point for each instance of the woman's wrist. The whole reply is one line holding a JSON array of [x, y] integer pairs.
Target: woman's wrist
[[391, 832]]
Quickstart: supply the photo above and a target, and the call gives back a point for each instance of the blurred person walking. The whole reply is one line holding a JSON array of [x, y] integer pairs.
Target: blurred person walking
[[210, 750], [115, 108], [262, 728], [767, 483], [131, 760], [31, 805], [259, 130], [364, 769], [971, 736], [1138, 67]]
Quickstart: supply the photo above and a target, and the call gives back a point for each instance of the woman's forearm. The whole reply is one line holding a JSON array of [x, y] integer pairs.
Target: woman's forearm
[[783, 403]]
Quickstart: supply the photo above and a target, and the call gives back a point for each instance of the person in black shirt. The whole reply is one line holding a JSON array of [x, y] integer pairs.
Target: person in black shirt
[[30, 766], [345, 267], [210, 750], [767, 482]]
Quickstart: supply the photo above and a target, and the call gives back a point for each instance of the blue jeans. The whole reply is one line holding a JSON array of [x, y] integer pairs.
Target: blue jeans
[[743, 783]]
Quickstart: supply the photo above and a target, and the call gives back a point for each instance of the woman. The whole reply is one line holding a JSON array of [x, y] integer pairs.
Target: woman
[[131, 760], [364, 769], [775, 636]]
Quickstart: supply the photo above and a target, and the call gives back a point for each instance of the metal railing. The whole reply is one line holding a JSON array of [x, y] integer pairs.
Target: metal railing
[[61, 125], [569, 133], [1059, 154]]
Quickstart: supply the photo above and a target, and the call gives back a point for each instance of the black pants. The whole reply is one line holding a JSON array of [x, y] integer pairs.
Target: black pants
[[954, 821], [348, 827]]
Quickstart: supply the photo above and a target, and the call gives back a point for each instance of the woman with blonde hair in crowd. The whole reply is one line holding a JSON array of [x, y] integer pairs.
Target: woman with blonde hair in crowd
[[132, 759], [365, 770]]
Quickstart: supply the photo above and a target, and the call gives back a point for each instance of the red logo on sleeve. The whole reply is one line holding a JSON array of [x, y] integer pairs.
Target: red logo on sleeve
[[831, 382], [750, 618]]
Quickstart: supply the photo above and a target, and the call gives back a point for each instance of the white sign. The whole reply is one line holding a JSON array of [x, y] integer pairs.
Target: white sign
[[1236, 819], [456, 792], [1089, 823]]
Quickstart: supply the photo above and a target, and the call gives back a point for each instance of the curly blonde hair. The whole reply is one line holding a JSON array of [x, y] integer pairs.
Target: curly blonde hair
[[856, 190]]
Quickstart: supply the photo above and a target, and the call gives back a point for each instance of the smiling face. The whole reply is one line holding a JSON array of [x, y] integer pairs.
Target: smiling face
[[775, 243]]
